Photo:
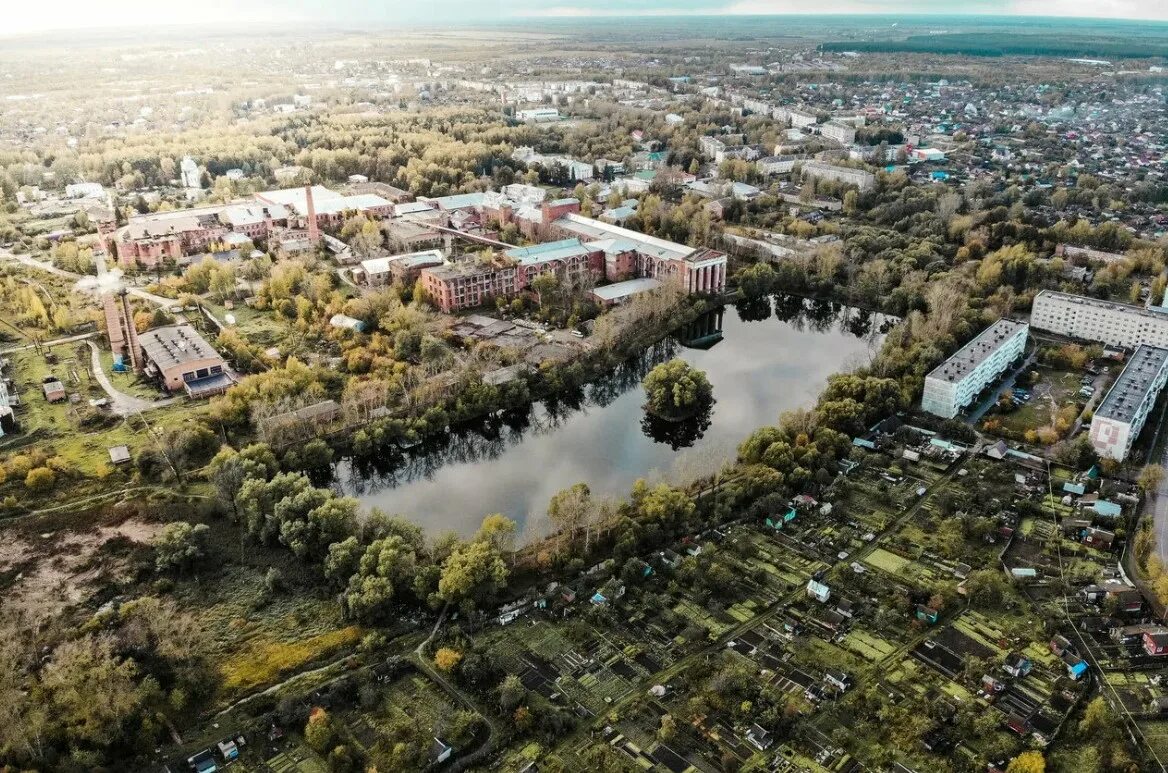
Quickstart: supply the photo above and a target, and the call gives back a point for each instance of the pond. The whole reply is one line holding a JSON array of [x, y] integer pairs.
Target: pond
[[762, 358]]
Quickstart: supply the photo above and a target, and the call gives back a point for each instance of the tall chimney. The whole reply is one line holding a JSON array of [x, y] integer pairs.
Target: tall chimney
[[131, 333], [313, 230]]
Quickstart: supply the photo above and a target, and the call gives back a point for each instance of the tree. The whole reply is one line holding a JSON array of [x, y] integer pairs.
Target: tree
[[447, 659], [1150, 478], [472, 571], [511, 693], [318, 731], [1027, 762], [675, 390], [570, 511], [342, 561], [230, 468], [180, 546], [91, 691], [499, 531]]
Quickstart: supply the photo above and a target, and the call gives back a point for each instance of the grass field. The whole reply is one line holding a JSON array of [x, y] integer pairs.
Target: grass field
[[265, 663], [886, 561]]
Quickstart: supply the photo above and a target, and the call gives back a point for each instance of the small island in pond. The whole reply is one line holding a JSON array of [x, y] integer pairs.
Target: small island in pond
[[677, 391]]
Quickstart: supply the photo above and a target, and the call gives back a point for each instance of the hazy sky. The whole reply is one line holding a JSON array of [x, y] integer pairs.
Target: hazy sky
[[23, 17]]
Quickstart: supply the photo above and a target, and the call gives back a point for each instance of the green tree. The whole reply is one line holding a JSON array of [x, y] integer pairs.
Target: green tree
[[472, 572], [180, 546], [675, 389]]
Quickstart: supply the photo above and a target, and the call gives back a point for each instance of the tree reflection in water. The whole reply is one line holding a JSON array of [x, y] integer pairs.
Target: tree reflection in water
[[681, 433]]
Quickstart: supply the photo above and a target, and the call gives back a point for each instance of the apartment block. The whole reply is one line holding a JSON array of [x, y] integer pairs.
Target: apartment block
[[840, 132], [844, 174], [1091, 319], [953, 384], [1124, 411]]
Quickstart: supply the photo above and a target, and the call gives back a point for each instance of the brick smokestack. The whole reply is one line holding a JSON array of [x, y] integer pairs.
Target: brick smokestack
[[313, 229]]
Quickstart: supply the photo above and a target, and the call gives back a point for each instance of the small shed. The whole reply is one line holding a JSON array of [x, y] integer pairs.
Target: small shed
[[119, 454]]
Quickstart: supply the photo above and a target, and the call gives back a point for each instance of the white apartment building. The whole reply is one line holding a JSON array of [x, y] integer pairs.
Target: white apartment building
[[1107, 322], [711, 147], [844, 174], [1122, 414], [776, 164], [840, 132], [801, 118], [953, 384]]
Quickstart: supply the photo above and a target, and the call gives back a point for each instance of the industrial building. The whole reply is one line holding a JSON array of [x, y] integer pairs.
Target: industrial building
[[180, 359], [953, 384], [1105, 322], [397, 268], [1122, 414]]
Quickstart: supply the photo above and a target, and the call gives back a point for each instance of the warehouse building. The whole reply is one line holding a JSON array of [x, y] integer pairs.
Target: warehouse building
[[1121, 416], [954, 383], [180, 359]]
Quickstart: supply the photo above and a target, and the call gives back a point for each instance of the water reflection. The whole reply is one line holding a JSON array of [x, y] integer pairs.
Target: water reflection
[[761, 358], [676, 434]]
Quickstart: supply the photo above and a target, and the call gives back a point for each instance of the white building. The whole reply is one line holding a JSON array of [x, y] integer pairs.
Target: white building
[[84, 191], [844, 174], [711, 147], [189, 171], [840, 132], [539, 114], [383, 271], [1105, 322], [801, 118], [1122, 414], [953, 384], [776, 164]]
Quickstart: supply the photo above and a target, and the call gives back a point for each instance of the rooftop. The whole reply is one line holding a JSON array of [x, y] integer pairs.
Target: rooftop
[[618, 290], [1098, 303], [542, 253], [1134, 384], [409, 260], [587, 228], [175, 345], [976, 351]]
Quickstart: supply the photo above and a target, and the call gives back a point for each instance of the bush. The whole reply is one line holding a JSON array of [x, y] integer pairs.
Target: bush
[[40, 479], [447, 659]]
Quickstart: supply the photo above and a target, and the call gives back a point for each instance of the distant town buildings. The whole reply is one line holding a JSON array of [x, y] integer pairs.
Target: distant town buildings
[[953, 384], [1122, 414]]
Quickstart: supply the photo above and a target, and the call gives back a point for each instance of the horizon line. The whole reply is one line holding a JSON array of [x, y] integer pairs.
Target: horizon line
[[563, 15]]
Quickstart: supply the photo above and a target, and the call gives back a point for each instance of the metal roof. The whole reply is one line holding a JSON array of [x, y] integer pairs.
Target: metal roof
[[1134, 384], [968, 357], [175, 345]]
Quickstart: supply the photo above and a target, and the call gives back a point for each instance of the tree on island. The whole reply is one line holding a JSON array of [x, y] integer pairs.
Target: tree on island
[[676, 390]]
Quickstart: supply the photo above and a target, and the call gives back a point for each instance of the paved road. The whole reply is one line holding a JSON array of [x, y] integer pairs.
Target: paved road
[[121, 403], [1157, 504]]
